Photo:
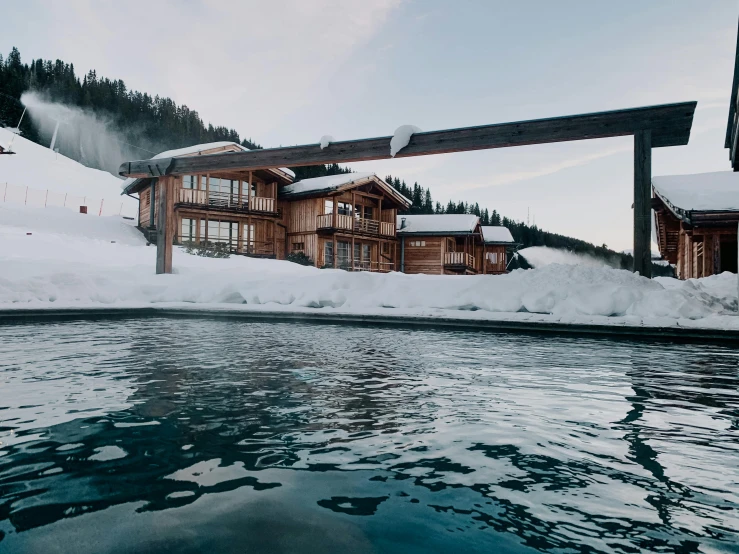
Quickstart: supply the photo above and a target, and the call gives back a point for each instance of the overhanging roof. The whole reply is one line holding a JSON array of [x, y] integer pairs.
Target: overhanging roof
[[669, 124]]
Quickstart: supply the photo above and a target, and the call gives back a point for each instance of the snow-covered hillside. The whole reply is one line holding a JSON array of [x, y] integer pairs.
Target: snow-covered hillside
[[37, 176]]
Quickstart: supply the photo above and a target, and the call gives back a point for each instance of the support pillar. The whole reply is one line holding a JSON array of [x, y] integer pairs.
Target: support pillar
[[165, 224], [642, 203]]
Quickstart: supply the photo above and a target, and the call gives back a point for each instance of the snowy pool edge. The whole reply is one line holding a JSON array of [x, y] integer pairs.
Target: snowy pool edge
[[621, 331]]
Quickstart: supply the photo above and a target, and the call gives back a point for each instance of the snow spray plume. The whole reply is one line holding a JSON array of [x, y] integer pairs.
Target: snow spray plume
[[80, 134], [539, 256]]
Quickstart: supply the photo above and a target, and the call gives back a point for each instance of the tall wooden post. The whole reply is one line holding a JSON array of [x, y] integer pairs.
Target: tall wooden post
[[165, 224], [643, 203]]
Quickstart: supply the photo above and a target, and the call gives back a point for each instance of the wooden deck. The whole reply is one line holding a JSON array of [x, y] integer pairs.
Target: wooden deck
[[225, 201]]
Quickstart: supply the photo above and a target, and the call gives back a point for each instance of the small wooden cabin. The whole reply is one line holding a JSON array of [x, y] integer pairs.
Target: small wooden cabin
[[344, 221], [497, 241], [237, 210], [696, 219], [443, 244]]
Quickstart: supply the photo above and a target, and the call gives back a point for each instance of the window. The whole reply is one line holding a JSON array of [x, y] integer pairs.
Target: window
[[368, 212], [189, 181], [248, 237], [343, 250], [493, 257], [188, 230], [298, 247], [417, 243], [342, 208], [222, 231], [366, 250], [328, 253]]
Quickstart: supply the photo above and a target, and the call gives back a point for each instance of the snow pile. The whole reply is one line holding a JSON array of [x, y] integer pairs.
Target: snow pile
[[401, 138], [542, 256], [716, 191], [55, 180], [326, 140], [71, 260]]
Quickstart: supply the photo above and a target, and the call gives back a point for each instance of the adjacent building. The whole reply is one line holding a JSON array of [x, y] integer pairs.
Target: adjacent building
[[696, 218], [443, 244], [344, 221], [497, 244], [234, 210]]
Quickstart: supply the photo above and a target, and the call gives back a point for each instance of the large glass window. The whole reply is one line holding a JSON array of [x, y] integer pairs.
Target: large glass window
[[248, 236], [188, 232], [343, 253], [328, 253], [222, 231], [342, 208], [189, 181]]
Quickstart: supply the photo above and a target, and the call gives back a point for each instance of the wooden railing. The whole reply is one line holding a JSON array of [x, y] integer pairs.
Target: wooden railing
[[365, 266], [459, 259], [356, 224], [253, 247], [226, 200]]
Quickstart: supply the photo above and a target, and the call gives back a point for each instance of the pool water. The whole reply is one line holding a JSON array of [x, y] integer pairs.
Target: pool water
[[192, 435]]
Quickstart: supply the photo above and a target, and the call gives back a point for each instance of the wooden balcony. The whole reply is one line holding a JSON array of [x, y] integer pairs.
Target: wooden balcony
[[355, 224], [225, 201], [459, 260]]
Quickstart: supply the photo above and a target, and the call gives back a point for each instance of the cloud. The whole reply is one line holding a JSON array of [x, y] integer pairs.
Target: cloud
[[247, 65]]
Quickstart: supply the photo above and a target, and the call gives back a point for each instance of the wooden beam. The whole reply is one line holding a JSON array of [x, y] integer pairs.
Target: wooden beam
[[643, 203], [165, 234], [669, 124]]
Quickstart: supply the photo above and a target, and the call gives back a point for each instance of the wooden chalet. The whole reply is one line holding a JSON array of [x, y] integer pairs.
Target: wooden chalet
[[343, 221], [696, 219], [237, 210], [443, 244], [497, 242]]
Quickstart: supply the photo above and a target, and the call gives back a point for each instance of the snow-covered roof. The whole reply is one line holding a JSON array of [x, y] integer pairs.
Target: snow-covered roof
[[717, 191], [320, 184], [437, 223], [496, 233], [197, 149], [330, 183]]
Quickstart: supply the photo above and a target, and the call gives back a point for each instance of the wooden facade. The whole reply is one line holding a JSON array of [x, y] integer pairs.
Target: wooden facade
[[698, 243], [349, 226]]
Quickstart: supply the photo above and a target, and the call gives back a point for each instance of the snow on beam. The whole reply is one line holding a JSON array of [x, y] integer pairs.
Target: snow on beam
[[669, 125]]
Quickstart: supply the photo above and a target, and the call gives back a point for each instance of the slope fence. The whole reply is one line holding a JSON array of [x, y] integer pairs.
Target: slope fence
[[39, 198]]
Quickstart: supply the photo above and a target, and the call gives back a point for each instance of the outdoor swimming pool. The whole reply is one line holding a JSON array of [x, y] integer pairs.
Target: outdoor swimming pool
[[230, 436]]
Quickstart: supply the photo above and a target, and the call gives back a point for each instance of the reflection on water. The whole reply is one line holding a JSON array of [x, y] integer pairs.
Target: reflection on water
[[226, 436]]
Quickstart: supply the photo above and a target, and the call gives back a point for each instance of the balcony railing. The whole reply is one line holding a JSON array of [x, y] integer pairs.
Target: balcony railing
[[252, 248], [226, 200], [356, 224], [382, 267], [459, 259]]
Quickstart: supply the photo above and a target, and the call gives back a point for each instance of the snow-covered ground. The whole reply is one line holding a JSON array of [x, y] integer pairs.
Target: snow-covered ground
[[74, 260], [54, 257]]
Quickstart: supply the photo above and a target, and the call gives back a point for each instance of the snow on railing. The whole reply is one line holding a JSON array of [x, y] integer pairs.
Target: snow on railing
[[38, 198]]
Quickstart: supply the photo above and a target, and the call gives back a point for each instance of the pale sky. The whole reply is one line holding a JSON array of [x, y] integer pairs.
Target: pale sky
[[288, 72]]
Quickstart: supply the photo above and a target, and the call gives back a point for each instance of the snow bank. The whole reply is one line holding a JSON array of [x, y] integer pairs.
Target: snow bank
[[326, 140], [81, 266], [401, 138]]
